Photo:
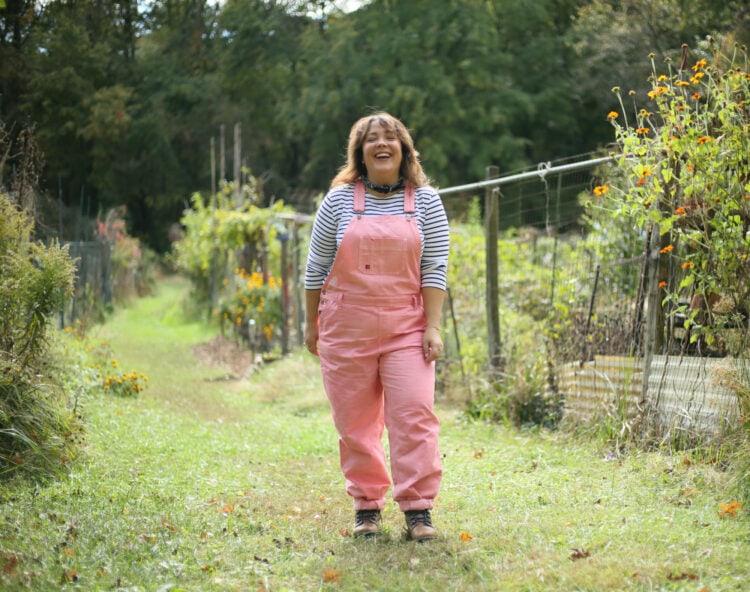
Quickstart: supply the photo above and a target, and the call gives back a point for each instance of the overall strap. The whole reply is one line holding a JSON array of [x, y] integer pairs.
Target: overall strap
[[409, 199], [359, 198]]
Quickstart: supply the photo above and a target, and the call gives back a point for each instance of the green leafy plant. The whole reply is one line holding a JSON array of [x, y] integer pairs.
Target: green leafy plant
[[686, 176], [252, 307], [221, 234], [133, 264], [35, 280]]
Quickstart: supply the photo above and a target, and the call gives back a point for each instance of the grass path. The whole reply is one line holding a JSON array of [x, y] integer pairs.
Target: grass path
[[203, 484]]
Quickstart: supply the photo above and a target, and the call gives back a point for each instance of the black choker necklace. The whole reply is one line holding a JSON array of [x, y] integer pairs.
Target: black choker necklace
[[383, 188]]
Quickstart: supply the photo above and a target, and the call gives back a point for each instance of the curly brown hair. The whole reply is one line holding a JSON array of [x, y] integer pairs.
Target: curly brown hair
[[354, 168]]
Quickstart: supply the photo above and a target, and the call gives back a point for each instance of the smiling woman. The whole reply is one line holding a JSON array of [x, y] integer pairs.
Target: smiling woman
[[374, 282]]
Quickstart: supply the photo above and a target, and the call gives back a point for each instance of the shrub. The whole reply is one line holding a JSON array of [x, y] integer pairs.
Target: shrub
[[684, 178], [34, 282], [133, 265], [252, 307], [222, 235]]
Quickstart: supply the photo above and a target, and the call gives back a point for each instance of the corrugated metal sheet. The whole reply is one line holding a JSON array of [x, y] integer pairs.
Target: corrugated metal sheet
[[688, 394], [683, 394], [606, 386]]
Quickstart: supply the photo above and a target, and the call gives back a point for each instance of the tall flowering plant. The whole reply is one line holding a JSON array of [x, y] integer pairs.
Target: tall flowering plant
[[252, 307], [685, 173]]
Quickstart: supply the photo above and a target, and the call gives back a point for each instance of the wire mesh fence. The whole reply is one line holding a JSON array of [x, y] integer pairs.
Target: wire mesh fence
[[582, 320], [93, 283]]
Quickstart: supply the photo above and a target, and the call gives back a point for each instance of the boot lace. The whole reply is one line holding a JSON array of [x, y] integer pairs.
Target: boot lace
[[366, 516], [416, 517]]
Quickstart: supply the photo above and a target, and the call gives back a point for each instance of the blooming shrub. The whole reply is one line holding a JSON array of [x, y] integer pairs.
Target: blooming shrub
[[217, 233], [686, 175], [253, 307], [133, 265], [102, 369], [125, 384]]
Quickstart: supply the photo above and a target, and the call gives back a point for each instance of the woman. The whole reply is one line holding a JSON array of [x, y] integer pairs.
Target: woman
[[375, 281]]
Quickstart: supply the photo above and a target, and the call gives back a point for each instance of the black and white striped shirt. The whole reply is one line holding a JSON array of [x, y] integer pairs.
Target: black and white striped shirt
[[337, 210]]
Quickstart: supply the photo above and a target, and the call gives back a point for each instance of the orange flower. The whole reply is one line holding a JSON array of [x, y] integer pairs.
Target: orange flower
[[659, 90], [688, 265], [466, 537], [662, 284], [641, 181], [601, 189], [697, 96], [642, 131], [667, 249], [613, 115], [680, 211], [704, 139]]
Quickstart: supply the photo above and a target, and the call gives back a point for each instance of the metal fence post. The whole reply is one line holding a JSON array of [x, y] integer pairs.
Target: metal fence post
[[491, 225]]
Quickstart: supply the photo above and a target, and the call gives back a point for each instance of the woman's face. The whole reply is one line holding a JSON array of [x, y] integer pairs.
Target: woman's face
[[381, 149]]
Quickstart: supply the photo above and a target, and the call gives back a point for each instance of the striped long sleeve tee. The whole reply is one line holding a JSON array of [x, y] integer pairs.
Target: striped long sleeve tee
[[337, 210]]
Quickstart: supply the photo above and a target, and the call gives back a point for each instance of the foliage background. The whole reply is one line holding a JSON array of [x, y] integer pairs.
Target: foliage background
[[125, 97]]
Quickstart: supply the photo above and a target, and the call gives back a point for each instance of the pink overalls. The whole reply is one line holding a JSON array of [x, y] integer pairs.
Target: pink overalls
[[371, 323]]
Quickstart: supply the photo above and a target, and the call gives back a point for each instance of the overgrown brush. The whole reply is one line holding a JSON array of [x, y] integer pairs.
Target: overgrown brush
[[35, 429]]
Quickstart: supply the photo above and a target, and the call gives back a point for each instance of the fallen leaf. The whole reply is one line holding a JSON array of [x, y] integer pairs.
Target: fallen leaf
[[332, 576], [10, 563], [730, 509], [69, 576], [579, 554], [466, 537], [682, 576], [478, 454], [169, 527]]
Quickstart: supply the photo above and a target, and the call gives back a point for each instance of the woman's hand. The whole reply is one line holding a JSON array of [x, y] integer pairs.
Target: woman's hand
[[432, 344], [311, 338]]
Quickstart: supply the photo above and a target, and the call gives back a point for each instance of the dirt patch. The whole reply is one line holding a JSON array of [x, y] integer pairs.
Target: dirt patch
[[225, 353]]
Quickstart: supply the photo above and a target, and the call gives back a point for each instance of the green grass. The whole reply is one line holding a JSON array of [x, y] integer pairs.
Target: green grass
[[202, 484]]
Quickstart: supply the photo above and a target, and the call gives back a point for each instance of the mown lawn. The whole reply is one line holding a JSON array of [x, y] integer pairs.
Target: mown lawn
[[208, 483]]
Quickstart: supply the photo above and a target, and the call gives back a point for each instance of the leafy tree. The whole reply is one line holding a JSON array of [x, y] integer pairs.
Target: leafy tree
[[175, 106], [611, 39], [259, 63], [17, 20], [461, 74], [83, 54]]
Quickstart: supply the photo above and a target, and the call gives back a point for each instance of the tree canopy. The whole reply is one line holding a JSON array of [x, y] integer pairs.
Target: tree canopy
[[126, 97]]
